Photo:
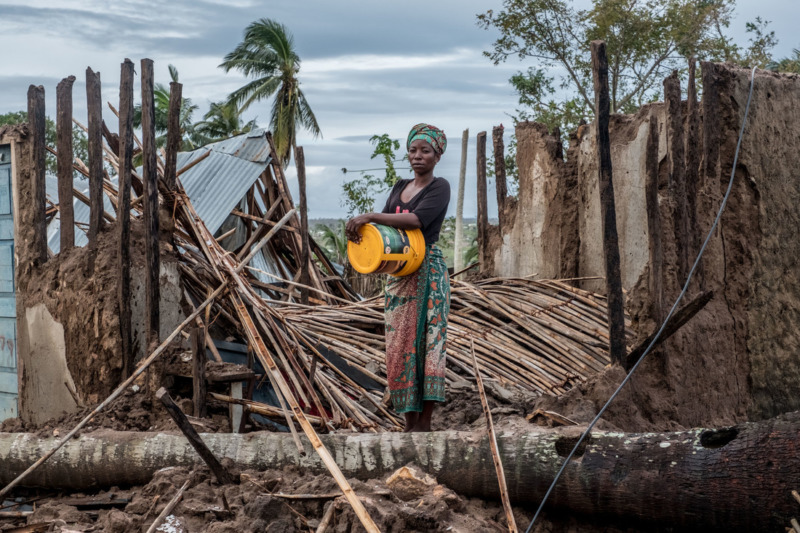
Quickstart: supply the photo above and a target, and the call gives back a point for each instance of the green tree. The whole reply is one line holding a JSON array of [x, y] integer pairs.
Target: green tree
[[223, 120], [267, 54], [80, 143], [646, 39], [189, 138], [334, 241], [787, 64], [360, 192]]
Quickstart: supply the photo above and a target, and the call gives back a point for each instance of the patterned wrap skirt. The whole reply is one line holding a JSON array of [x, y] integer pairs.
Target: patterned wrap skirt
[[416, 311]]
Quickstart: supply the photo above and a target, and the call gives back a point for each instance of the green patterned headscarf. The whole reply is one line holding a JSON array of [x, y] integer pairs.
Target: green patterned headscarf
[[430, 134]]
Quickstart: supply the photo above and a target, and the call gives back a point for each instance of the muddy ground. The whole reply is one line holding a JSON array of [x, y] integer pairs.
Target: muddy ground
[[254, 503]]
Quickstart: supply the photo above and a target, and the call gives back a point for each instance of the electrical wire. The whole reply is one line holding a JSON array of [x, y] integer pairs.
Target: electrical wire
[[671, 311]]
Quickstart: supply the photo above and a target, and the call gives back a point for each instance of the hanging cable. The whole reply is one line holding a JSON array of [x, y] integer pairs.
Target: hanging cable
[[671, 311]]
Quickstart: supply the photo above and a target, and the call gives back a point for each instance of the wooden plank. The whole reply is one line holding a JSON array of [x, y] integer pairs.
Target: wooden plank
[[655, 251], [36, 120], [500, 171], [173, 135], [483, 215], [677, 170], [616, 310], [305, 264], [199, 371], [95, 137], [222, 475], [123, 213], [150, 176], [64, 162]]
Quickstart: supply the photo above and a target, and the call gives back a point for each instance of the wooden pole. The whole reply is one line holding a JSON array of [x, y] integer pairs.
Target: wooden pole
[[498, 463], [150, 177], [123, 213], [458, 245], [656, 254], [168, 508], [676, 321], [94, 104], [64, 162], [36, 120], [616, 312], [305, 278], [693, 155], [173, 134], [222, 475], [483, 216], [199, 371], [677, 171], [499, 171]]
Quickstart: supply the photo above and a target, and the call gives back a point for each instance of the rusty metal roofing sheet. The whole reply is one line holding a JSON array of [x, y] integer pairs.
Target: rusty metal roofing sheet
[[252, 146]]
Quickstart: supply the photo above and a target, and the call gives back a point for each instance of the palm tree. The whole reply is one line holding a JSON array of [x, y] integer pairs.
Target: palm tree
[[189, 139], [267, 54], [334, 240], [787, 64], [223, 120]]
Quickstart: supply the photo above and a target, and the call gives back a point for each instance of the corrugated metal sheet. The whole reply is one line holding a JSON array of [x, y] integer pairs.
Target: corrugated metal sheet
[[217, 183], [81, 213], [252, 146]]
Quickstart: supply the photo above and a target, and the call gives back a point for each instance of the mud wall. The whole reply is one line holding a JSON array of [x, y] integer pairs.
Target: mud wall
[[68, 334], [737, 359]]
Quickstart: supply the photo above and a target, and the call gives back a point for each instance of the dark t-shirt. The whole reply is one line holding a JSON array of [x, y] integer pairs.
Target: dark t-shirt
[[429, 204]]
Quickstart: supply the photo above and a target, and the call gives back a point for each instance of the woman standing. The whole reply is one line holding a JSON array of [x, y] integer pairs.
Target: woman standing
[[416, 305]]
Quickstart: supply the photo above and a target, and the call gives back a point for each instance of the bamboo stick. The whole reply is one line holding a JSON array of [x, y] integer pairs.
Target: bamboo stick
[[498, 464]]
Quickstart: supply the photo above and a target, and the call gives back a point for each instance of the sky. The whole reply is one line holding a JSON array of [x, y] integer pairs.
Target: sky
[[368, 67]]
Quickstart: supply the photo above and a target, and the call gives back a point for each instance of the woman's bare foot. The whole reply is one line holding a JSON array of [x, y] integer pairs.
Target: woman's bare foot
[[411, 421], [423, 423]]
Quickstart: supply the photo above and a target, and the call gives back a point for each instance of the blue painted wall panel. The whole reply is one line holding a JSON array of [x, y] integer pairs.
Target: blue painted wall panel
[[8, 319]]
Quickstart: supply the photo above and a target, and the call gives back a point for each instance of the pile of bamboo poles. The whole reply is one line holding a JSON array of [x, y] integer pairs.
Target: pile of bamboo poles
[[535, 336]]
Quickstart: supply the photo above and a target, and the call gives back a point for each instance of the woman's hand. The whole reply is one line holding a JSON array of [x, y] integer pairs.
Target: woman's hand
[[351, 229]]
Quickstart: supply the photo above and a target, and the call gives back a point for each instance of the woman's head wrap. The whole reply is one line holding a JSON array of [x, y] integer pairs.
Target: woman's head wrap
[[430, 134]]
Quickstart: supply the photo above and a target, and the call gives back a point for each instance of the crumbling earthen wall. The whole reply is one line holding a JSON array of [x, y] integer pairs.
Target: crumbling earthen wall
[[68, 332], [737, 359]]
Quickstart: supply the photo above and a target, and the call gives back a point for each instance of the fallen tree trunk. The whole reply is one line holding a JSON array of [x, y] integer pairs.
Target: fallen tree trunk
[[737, 478]]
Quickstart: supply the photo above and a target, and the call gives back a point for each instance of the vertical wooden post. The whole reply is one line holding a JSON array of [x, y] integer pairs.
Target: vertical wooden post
[[94, 105], [36, 120], [458, 245], [711, 143], [711, 133], [616, 304], [692, 161], [656, 255], [64, 162], [173, 134], [199, 371], [499, 171], [123, 213], [150, 177], [677, 170], [305, 277], [483, 215]]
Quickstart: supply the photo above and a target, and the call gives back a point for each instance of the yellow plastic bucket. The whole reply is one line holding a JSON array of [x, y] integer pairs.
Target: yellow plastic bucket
[[387, 250]]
